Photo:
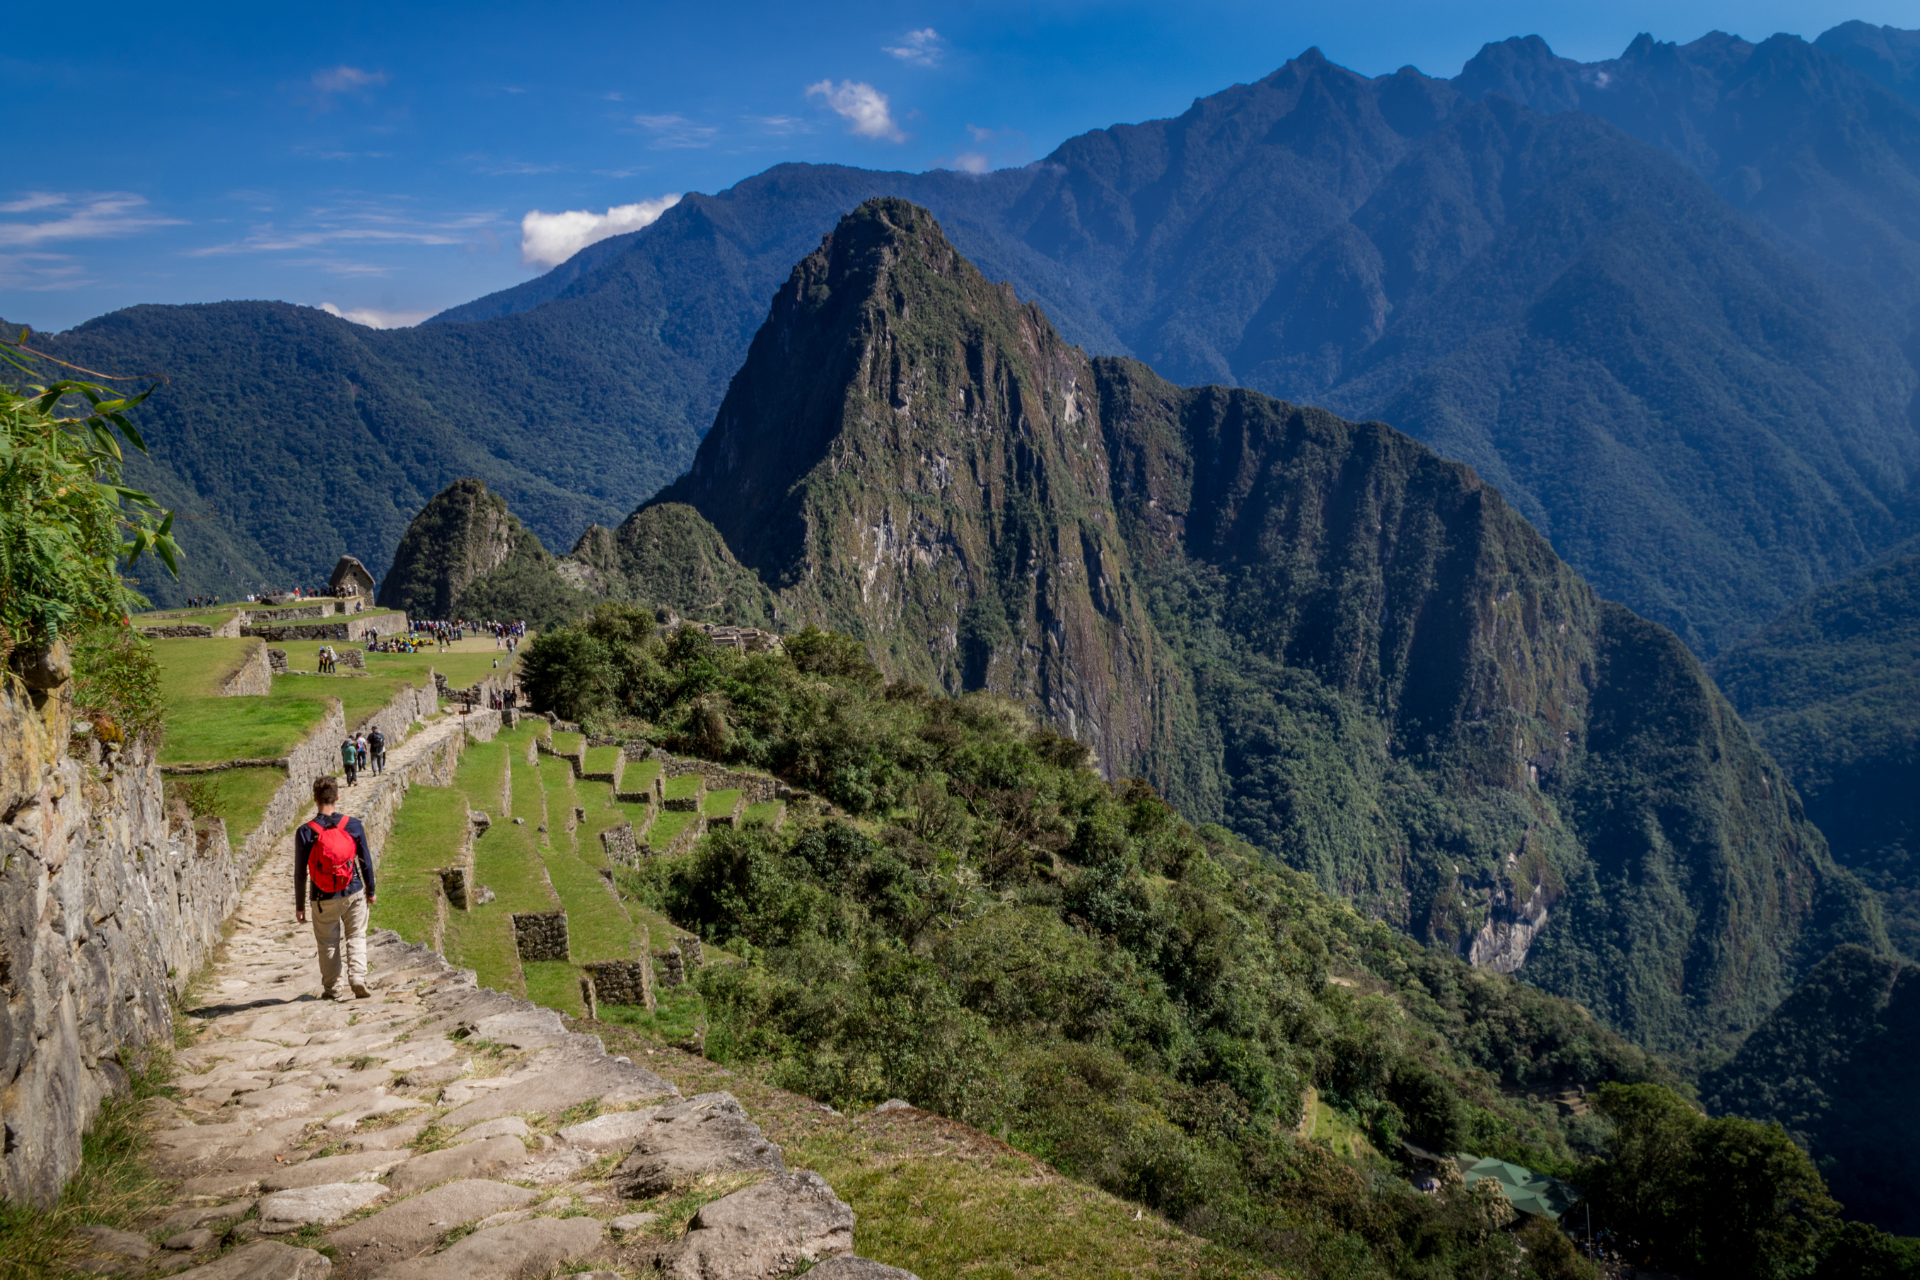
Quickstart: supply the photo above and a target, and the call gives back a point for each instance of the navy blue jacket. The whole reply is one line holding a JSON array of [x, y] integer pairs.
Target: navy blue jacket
[[303, 845]]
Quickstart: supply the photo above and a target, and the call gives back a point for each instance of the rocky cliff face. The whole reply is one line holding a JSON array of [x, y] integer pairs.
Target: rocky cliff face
[[463, 534], [910, 455], [1352, 651]]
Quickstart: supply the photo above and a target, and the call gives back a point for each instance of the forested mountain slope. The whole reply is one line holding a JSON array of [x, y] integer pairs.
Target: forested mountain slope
[[1838, 1066], [1707, 408], [1318, 632], [1832, 690]]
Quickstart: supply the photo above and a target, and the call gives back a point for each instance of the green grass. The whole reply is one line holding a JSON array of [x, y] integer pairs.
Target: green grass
[[675, 1018], [567, 744], [555, 984], [197, 668], [720, 803], [482, 940], [680, 788], [199, 618], [602, 814], [209, 729], [242, 797], [427, 833], [765, 811], [640, 775], [602, 759], [597, 927], [667, 826]]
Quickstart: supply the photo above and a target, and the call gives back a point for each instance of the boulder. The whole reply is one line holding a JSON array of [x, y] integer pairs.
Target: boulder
[[765, 1230], [285, 1211], [709, 1133], [187, 1241], [471, 1160], [516, 1251], [263, 1260]]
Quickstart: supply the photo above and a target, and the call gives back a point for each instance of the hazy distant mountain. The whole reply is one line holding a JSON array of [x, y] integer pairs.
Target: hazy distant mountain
[[1685, 358]]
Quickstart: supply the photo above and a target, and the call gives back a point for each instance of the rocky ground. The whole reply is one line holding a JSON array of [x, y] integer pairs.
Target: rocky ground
[[436, 1129]]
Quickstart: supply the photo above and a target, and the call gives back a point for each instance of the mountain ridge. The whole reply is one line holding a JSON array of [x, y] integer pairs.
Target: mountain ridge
[[1350, 650]]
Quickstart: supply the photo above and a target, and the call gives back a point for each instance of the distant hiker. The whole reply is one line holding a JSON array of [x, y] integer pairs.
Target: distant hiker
[[331, 852], [366, 751], [377, 744], [350, 759]]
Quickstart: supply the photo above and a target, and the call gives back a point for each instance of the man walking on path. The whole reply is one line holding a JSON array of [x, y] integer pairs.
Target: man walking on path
[[377, 744], [330, 853], [350, 759]]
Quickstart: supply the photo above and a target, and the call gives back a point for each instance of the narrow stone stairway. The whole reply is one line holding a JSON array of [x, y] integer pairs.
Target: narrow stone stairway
[[439, 1129]]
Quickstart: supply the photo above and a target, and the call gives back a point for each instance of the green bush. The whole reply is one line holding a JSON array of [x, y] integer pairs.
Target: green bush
[[116, 683]]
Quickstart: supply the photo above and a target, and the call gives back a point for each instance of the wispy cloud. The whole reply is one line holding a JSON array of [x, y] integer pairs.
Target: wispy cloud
[[344, 81], [862, 106], [362, 222], [339, 267], [922, 48], [374, 318], [548, 239], [1009, 149], [780, 125], [676, 131], [495, 168], [41, 272], [973, 162], [91, 216]]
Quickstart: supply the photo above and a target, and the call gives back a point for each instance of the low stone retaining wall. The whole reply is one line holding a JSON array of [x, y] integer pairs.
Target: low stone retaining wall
[[352, 627], [190, 632], [540, 935], [754, 788], [628, 982], [254, 679]]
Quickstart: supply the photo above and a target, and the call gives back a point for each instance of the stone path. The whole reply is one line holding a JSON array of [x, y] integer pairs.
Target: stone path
[[437, 1129]]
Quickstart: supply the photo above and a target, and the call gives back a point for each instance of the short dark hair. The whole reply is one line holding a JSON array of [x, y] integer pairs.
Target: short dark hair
[[325, 790]]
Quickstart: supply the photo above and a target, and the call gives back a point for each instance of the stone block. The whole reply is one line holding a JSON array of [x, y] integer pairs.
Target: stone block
[[277, 661], [484, 1158], [457, 884], [628, 982], [540, 935], [709, 1133], [263, 1260], [286, 1211], [764, 1230]]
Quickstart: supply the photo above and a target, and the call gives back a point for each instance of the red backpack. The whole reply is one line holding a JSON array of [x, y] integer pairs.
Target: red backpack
[[330, 861]]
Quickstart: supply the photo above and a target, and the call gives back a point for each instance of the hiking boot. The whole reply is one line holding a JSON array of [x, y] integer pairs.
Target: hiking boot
[[362, 990], [331, 994]]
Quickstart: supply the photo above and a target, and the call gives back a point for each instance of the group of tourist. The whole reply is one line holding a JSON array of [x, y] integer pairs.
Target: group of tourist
[[327, 659], [360, 752], [202, 602]]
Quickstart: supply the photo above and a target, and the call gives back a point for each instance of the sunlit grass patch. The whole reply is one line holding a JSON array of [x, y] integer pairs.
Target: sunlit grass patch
[[683, 787], [554, 984], [427, 834], [719, 804], [667, 826]]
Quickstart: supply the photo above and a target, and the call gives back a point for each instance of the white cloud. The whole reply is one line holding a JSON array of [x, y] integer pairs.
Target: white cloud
[[972, 162], [361, 222], [676, 131], [922, 48], [548, 239], [374, 318], [862, 106], [83, 217]]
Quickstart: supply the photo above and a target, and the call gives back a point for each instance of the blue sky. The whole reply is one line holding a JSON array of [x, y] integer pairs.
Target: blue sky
[[384, 160]]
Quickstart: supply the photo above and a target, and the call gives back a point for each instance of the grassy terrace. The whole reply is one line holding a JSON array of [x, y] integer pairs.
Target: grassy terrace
[[602, 759], [202, 726], [427, 833], [482, 939], [242, 796], [567, 744], [667, 826], [683, 787], [765, 811]]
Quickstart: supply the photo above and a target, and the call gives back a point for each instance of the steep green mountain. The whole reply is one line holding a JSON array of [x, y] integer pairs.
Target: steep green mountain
[[1832, 690], [1838, 1065], [1887, 55], [465, 555], [668, 556], [1702, 394], [1317, 632]]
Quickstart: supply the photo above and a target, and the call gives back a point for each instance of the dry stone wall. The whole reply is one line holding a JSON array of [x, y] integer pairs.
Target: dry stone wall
[[254, 679], [754, 788], [105, 912], [540, 935]]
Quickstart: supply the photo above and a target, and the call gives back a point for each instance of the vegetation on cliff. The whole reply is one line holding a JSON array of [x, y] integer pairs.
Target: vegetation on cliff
[[1832, 690], [997, 934], [1348, 650]]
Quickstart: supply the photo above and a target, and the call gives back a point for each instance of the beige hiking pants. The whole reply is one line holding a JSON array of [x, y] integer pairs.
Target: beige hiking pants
[[340, 924]]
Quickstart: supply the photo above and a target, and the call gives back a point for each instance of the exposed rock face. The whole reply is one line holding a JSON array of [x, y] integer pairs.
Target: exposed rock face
[[1350, 650], [764, 1230], [668, 556], [464, 533]]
